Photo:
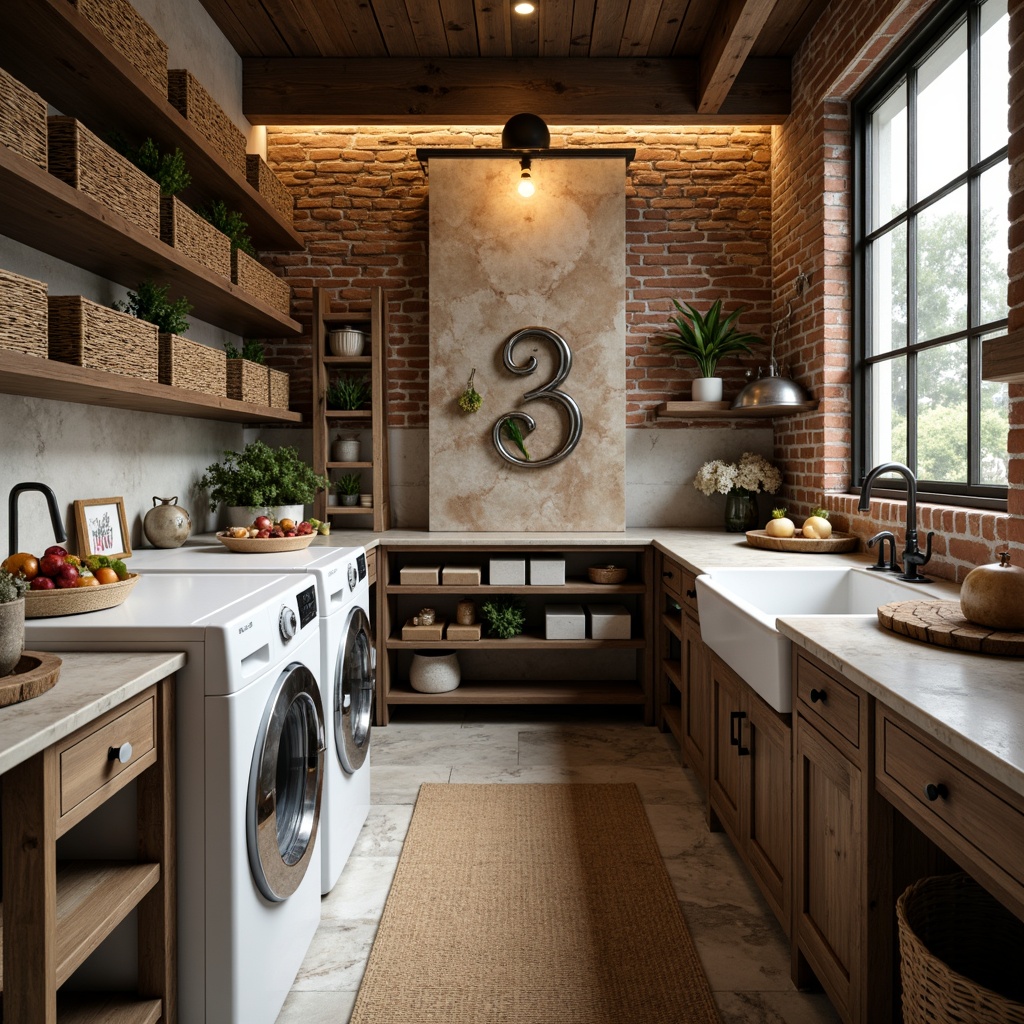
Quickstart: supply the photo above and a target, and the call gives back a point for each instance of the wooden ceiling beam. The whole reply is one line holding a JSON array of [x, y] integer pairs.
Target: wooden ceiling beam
[[609, 90], [725, 51]]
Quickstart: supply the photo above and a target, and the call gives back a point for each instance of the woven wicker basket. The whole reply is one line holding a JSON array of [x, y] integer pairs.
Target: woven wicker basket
[[91, 166], [257, 280], [280, 383], [23, 315], [130, 34], [84, 333], [607, 574], [183, 229], [188, 364], [248, 382], [23, 120], [198, 106], [959, 954], [269, 185]]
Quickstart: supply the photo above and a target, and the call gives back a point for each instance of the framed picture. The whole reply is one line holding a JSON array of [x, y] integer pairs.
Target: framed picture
[[102, 527]]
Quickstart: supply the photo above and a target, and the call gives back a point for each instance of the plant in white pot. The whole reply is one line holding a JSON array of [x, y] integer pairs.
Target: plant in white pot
[[12, 620], [706, 339]]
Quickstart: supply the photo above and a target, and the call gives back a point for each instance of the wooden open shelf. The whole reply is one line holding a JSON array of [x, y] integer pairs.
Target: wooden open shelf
[[672, 716], [46, 378], [723, 410], [46, 213], [85, 1008], [523, 642], [571, 588], [534, 692], [52, 49]]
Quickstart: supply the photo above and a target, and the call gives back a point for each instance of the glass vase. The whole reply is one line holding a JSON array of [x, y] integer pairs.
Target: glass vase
[[740, 511]]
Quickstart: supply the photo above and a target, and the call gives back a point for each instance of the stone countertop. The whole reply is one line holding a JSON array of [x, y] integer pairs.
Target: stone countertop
[[89, 685]]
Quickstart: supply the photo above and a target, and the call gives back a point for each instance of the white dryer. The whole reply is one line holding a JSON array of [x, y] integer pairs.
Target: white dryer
[[347, 669], [249, 774]]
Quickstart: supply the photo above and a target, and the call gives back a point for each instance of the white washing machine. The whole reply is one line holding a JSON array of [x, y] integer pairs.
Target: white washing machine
[[249, 774], [347, 670]]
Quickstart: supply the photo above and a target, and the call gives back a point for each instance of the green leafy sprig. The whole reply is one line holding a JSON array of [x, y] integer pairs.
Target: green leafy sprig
[[231, 223], [505, 617], [348, 392], [349, 483], [252, 349], [149, 302], [470, 400], [168, 170], [515, 435]]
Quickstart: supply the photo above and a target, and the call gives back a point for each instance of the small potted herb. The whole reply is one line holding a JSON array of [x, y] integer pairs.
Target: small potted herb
[[150, 302], [247, 374], [348, 392], [230, 223], [505, 617], [12, 620], [167, 169], [348, 488]]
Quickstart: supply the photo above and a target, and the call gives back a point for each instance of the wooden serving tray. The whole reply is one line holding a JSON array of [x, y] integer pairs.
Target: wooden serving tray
[[266, 545], [830, 545], [943, 624], [34, 674]]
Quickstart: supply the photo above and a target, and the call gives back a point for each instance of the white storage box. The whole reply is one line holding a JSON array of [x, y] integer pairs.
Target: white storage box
[[609, 622], [507, 572], [564, 622], [547, 572]]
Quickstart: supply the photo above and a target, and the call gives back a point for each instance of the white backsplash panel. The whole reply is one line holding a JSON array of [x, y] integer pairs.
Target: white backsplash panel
[[498, 263]]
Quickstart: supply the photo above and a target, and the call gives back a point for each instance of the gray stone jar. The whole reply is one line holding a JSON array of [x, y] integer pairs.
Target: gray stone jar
[[167, 524], [12, 634]]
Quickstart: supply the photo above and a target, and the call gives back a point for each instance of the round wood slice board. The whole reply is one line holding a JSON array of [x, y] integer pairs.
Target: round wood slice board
[[34, 674], [942, 623], [834, 544]]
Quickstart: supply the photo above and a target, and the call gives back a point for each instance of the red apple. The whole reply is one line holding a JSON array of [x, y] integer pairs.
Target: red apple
[[42, 583], [56, 549], [49, 565], [67, 577], [276, 531], [289, 533], [262, 523], [263, 533]]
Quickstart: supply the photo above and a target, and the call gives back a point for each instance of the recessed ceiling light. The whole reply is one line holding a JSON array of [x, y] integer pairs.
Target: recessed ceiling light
[[525, 7]]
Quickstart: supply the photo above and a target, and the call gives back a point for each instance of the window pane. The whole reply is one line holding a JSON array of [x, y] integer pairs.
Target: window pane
[[995, 226], [889, 411], [942, 267], [942, 114], [889, 291], [889, 158], [995, 429], [942, 413], [995, 76]]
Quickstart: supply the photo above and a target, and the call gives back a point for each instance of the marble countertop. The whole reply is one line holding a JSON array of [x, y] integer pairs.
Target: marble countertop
[[89, 685]]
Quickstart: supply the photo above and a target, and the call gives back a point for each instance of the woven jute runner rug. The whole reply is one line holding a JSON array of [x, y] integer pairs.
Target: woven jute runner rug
[[532, 904]]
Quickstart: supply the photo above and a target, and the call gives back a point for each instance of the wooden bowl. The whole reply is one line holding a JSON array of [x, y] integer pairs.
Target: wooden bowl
[[44, 604], [265, 545], [607, 573]]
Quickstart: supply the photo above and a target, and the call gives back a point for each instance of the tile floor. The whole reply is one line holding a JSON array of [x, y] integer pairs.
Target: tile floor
[[744, 952]]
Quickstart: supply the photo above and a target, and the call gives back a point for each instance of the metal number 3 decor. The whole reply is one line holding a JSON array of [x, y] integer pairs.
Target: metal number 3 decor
[[510, 421]]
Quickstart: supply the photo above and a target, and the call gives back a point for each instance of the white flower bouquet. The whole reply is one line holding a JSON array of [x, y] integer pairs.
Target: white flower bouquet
[[752, 473]]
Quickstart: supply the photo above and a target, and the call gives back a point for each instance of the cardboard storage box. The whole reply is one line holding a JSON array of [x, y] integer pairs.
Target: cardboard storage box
[[609, 622], [435, 631], [507, 572], [460, 632], [419, 575], [564, 622], [547, 572], [461, 575]]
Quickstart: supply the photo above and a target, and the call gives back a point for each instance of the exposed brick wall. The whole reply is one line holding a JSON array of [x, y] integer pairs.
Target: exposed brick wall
[[812, 234], [698, 228]]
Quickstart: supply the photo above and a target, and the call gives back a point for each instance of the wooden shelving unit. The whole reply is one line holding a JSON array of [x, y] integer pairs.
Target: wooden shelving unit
[[52, 49], [724, 410], [370, 423]]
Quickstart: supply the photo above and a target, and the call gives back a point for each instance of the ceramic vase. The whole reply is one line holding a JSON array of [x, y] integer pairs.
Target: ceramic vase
[[434, 671], [167, 524], [345, 449], [740, 511], [707, 389], [12, 634]]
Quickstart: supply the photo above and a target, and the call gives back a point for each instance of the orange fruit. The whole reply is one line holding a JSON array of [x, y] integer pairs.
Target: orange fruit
[[105, 576], [87, 581], [23, 562], [287, 524]]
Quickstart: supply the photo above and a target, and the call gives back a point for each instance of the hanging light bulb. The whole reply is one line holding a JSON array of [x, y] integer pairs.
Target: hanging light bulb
[[526, 187]]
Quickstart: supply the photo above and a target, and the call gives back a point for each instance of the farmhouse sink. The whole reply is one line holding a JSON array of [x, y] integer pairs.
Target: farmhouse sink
[[738, 609]]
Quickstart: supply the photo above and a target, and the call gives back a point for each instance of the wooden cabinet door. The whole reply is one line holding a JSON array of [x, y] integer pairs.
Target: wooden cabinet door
[[727, 750], [696, 704]]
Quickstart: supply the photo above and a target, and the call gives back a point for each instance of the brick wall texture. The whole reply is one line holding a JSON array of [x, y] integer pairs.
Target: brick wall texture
[[757, 217]]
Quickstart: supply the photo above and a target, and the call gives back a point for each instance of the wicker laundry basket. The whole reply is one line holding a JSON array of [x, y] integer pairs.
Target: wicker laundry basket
[[183, 229], [960, 954], [23, 315], [23, 120], [131, 35], [84, 333]]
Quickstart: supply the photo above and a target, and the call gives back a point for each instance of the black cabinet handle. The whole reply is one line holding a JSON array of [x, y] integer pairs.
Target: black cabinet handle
[[667, 574], [936, 791], [736, 730], [817, 695], [691, 593]]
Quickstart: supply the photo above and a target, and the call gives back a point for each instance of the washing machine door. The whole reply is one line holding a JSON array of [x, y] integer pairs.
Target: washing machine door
[[354, 682], [285, 784]]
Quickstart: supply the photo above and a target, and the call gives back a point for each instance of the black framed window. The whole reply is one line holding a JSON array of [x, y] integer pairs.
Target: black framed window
[[931, 226]]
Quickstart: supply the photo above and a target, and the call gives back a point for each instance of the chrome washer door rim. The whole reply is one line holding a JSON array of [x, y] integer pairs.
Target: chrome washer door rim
[[354, 684]]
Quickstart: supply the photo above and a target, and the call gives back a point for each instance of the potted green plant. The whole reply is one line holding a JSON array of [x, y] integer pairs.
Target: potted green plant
[[168, 169], [12, 620], [706, 339], [150, 302], [505, 617], [348, 392], [230, 223], [348, 488], [261, 478]]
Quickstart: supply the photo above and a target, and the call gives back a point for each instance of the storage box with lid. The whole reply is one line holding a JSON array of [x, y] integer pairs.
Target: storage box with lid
[[609, 622], [564, 622], [547, 572], [507, 572]]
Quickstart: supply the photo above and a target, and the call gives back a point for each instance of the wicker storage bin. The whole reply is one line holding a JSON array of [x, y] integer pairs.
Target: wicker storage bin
[[183, 229], [23, 120], [269, 185], [87, 334], [188, 364], [254, 278], [248, 382], [131, 35], [959, 954], [279, 385], [23, 315], [79, 158], [194, 103]]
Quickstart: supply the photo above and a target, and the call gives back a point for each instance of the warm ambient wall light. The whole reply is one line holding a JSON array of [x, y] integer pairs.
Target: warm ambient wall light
[[524, 8]]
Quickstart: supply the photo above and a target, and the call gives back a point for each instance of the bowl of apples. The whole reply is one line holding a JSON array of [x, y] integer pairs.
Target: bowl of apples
[[264, 535]]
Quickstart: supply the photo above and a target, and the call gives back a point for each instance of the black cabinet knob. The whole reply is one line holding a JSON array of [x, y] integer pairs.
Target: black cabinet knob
[[691, 593], [667, 574], [936, 791], [122, 753], [818, 695]]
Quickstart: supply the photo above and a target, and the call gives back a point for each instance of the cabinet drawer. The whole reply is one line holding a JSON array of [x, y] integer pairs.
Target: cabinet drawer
[[672, 577], [982, 821], [826, 699], [87, 764]]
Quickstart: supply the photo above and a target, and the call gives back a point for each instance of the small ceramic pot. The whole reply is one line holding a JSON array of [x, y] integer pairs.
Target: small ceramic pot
[[465, 613], [167, 524], [707, 389], [434, 671], [346, 342], [346, 449], [348, 499], [12, 634]]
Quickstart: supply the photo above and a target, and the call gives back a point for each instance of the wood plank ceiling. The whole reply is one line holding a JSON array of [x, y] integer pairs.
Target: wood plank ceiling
[[584, 61]]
